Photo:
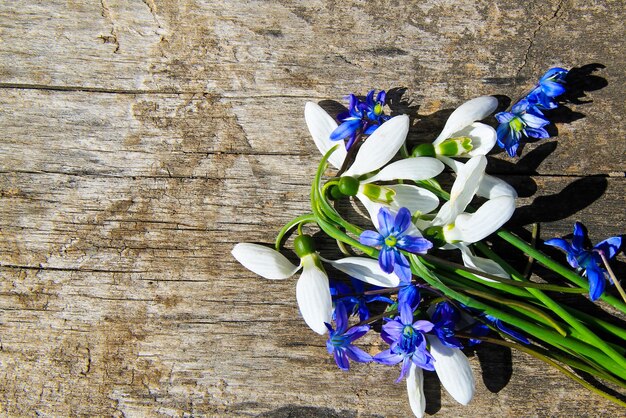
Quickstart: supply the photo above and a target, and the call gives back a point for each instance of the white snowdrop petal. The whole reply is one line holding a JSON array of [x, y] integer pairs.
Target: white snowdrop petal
[[366, 270], [486, 220], [264, 261], [415, 390], [380, 147], [468, 178], [414, 198], [372, 208], [470, 111], [313, 296], [483, 138], [483, 264], [492, 187], [453, 370], [419, 168], [321, 125]]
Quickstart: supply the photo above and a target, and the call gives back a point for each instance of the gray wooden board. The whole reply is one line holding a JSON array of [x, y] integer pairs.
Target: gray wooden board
[[142, 140]]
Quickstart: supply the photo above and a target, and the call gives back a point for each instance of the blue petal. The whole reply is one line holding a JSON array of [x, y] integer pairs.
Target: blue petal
[[402, 267], [388, 358], [579, 238], [386, 259], [356, 354], [371, 238], [555, 73], [406, 313], [504, 117], [381, 97], [402, 221], [385, 222], [406, 364], [596, 282], [393, 329], [534, 121], [559, 243], [414, 244], [347, 128], [341, 359], [409, 295], [341, 317], [536, 133], [610, 246], [355, 333], [552, 88]]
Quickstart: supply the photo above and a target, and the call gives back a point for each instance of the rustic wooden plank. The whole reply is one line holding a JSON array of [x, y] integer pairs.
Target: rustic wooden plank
[[141, 140]]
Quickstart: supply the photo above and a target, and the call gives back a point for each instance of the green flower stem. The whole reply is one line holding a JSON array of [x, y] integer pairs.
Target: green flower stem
[[585, 332], [508, 282], [604, 325], [557, 267], [300, 220], [559, 367], [547, 336]]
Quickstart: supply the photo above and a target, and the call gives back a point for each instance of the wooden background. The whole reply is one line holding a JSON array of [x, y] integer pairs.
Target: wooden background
[[142, 139]]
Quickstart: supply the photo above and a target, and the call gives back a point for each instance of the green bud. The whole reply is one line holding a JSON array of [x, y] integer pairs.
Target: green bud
[[453, 147], [349, 186], [335, 193], [378, 194], [424, 150], [435, 235], [303, 245]]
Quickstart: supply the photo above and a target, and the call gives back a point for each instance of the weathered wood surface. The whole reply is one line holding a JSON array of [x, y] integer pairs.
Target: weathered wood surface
[[141, 140]]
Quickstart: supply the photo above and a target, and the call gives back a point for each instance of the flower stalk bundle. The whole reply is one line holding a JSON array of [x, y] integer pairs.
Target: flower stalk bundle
[[420, 265]]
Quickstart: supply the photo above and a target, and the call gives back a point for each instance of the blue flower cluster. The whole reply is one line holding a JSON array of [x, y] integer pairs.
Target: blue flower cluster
[[361, 117], [526, 118]]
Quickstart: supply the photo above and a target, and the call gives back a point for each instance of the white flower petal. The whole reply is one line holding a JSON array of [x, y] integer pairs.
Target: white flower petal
[[469, 112], [321, 125], [414, 198], [313, 295], [366, 270], [415, 390], [372, 208], [453, 370], [483, 264], [380, 147], [419, 168], [490, 186], [468, 178], [264, 261], [483, 138], [486, 220]]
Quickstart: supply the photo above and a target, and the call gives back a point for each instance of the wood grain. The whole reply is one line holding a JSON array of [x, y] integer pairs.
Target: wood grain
[[142, 140]]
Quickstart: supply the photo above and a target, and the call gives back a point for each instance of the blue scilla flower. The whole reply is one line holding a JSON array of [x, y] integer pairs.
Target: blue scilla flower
[[524, 119], [393, 236], [339, 342], [361, 117], [551, 85], [407, 343], [581, 255], [445, 318], [357, 300]]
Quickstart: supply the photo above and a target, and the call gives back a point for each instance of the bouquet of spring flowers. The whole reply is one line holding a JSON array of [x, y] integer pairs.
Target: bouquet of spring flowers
[[421, 256]]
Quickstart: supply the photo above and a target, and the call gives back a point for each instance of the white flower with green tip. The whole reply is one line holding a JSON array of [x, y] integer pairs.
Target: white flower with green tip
[[312, 289]]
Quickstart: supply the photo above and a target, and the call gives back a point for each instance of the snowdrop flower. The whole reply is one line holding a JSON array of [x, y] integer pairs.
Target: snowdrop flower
[[374, 153], [451, 225], [462, 136], [312, 289]]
